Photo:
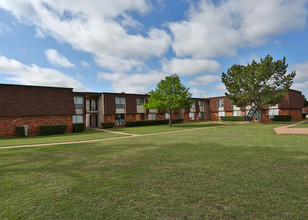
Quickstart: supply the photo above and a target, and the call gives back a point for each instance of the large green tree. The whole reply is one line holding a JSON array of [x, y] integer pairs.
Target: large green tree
[[258, 83], [169, 95], [305, 101]]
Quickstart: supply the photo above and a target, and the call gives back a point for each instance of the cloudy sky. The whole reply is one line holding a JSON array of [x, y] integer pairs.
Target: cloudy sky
[[128, 46]]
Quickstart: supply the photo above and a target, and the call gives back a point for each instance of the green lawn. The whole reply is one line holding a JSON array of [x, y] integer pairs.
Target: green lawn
[[164, 128], [86, 135], [241, 171], [303, 125]]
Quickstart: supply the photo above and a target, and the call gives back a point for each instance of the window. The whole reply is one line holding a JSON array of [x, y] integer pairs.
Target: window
[[120, 119], [221, 103], [201, 114], [78, 101], [167, 115], [140, 117], [77, 118], [200, 103], [152, 116], [191, 116], [221, 113], [139, 101], [192, 105], [272, 112], [93, 105], [236, 113], [120, 102]]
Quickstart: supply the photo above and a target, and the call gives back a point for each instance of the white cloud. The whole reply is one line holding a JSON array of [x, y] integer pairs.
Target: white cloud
[[118, 64], [132, 83], [301, 78], [301, 71], [204, 80], [94, 26], [190, 67], [213, 30], [220, 87], [84, 63], [58, 59], [35, 75], [4, 28]]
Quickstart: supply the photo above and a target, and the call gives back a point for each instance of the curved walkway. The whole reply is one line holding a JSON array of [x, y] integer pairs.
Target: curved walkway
[[288, 130], [107, 139]]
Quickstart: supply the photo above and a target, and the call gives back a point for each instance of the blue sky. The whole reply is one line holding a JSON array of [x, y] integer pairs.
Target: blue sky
[[129, 46]]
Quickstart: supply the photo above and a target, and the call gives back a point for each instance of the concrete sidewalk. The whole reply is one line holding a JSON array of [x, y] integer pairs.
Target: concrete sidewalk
[[289, 130], [127, 135]]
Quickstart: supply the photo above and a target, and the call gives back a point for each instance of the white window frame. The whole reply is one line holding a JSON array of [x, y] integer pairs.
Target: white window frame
[[221, 103], [220, 114], [78, 102], [167, 115], [152, 116], [272, 112], [200, 103], [120, 102], [77, 119], [236, 112], [191, 116], [193, 106], [139, 101], [201, 114]]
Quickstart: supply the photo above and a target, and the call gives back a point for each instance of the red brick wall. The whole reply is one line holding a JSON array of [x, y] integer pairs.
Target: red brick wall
[[109, 118], [214, 116], [160, 116], [131, 117], [228, 113], [296, 114], [7, 123]]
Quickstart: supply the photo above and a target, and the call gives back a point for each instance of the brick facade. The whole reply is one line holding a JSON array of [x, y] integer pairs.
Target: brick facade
[[7, 123]]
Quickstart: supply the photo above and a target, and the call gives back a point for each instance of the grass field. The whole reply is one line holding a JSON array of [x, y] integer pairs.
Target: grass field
[[86, 135], [303, 125], [165, 127], [241, 171]]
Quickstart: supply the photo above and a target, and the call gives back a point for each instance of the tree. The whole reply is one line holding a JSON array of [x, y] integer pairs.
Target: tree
[[169, 95], [305, 101], [260, 83]]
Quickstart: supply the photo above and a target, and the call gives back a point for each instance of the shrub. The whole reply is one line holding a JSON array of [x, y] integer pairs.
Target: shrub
[[177, 120], [282, 118], [107, 124], [78, 127], [142, 123], [20, 131], [304, 115], [131, 124], [52, 129], [232, 118]]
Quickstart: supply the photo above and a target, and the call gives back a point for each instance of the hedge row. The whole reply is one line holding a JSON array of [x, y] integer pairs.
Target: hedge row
[[78, 127], [151, 122], [52, 129], [107, 125], [232, 118], [304, 115], [282, 118], [20, 131]]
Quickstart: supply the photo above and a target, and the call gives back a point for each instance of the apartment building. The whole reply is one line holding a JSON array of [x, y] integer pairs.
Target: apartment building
[[292, 104], [34, 106], [124, 107], [38, 105]]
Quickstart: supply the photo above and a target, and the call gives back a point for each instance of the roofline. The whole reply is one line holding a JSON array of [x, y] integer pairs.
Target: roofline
[[124, 93], [54, 87]]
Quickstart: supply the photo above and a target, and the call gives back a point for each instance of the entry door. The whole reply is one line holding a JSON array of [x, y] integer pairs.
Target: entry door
[[93, 120]]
